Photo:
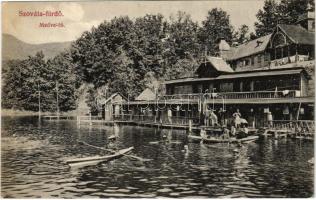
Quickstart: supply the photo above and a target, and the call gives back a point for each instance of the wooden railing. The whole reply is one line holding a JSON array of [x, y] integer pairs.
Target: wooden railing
[[180, 120], [86, 118], [235, 95], [153, 119], [291, 59], [295, 125]]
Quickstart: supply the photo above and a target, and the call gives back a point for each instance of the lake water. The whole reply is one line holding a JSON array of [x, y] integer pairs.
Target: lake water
[[34, 153]]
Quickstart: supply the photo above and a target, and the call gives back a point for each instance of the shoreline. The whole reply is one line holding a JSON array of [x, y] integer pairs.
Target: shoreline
[[10, 112]]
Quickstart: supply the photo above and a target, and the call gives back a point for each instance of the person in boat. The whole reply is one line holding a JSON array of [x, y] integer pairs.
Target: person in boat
[[213, 118], [243, 132], [164, 136], [112, 144], [203, 133], [236, 153], [225, 134], [237, 117]]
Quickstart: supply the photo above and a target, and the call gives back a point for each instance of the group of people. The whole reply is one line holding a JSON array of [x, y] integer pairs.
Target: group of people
[[238, 123], [211, 119]]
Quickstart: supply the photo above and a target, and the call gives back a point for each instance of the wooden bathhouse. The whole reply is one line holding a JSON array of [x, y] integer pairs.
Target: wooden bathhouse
[[271, 75]]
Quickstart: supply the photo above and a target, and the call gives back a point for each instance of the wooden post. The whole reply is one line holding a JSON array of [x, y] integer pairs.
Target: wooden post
[[190, 125], [298, 111], [296, 53], [39, 100], [78, 120], [57, 100], [90, 118]]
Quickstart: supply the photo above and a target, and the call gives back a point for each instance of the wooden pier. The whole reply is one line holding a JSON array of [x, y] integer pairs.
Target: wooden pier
[[177, 124], [299, 129]]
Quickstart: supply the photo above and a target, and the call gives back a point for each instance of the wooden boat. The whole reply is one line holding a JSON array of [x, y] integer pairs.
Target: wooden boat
[[231, 140], [97, 159], [195, 138], [112, 137]]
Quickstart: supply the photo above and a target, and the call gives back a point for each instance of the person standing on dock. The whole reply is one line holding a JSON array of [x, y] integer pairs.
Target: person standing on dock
[[221, 116], [169, 113], [207, 117], [270, 119], [237, 117], [214, 119]]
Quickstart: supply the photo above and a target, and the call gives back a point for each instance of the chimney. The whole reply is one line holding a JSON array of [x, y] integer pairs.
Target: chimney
[[223, 47], [307, 19]]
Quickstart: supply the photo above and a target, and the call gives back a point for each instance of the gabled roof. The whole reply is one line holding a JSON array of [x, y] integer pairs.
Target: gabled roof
[[218, 63], [298, 34], [147, 94], [249, 48], [112, 97]]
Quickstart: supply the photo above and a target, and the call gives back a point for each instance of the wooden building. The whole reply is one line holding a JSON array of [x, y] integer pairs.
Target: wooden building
[[273, 74]]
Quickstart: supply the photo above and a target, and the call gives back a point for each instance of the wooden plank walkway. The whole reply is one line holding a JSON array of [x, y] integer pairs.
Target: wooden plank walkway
[[284, 133]]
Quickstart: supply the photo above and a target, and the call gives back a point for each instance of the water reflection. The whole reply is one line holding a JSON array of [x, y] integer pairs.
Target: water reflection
[[33, 156]]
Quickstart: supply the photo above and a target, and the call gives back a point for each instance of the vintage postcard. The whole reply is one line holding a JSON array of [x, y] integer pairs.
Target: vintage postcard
[[158, 99]]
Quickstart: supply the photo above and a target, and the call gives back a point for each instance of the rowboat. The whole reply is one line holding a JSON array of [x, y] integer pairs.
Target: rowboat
[[94, 160], [195, 138], [231, 140]]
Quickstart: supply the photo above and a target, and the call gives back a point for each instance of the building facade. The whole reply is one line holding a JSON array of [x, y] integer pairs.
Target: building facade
[[271, 75]]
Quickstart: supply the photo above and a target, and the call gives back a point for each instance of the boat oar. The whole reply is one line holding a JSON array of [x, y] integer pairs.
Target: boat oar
[[111, 151], [108, 150]]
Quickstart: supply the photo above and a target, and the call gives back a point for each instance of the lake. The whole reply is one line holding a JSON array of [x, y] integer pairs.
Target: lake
[[34, 153]]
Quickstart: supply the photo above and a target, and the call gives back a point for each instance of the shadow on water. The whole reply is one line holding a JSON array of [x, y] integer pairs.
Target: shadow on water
[[33, 155]]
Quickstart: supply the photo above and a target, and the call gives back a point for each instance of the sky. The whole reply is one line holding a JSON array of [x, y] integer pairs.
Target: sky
[[82, 16]]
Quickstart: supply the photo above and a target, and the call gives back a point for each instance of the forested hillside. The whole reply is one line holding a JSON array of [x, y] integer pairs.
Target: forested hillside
[[13, 48]]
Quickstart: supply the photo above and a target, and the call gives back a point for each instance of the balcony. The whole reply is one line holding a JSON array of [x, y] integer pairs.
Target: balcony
[[235, 95], [287, 60]]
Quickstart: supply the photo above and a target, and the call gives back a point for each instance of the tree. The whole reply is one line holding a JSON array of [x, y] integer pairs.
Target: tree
[[12, 84], [64, 82], [285, 12], [268, 18], [290, 10], [242, 34], [216, 26]]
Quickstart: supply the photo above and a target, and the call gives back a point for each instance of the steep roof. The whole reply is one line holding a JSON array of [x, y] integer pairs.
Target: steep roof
[[249, 48], [217, 63], [298, 34], [147, 94], [112, 97]]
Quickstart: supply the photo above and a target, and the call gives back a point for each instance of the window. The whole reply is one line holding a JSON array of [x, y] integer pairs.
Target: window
[[259, 59], [252, 60], [246, 62], [266, 57], [278, 40]]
